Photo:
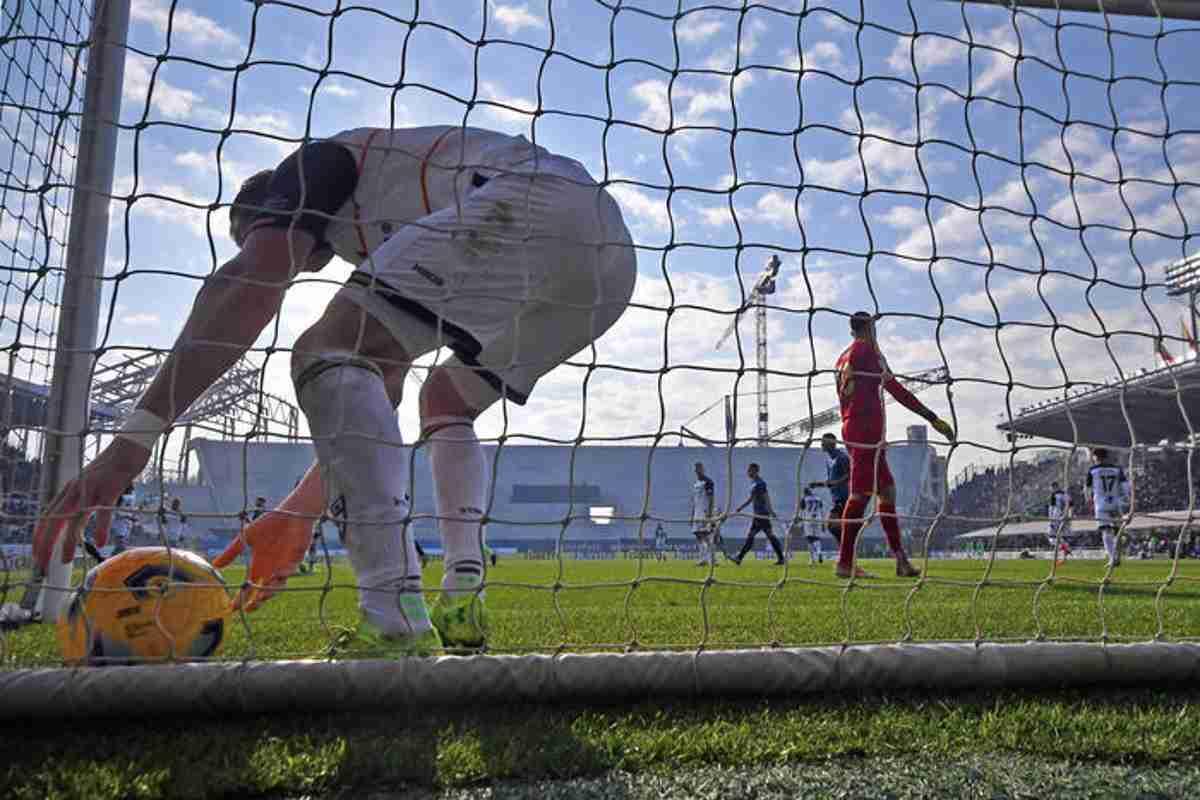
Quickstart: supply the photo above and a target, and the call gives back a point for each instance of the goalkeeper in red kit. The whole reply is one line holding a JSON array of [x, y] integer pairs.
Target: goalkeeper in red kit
[[862, 374]]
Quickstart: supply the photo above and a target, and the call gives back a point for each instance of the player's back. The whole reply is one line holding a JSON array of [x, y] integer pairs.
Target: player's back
[[404, 174], [860, 370], [1108, 485]]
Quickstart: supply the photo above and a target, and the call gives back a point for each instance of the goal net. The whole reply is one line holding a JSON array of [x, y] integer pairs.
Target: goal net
[[1011, 189]]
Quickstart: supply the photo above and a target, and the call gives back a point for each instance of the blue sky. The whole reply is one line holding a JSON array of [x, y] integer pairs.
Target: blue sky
[[728, 133]]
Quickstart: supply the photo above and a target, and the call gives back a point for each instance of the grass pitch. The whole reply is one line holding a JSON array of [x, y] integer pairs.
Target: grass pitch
[[993, 744], [545, 605]]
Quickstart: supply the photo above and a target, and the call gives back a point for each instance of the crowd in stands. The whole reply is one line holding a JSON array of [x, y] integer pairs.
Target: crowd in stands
[[983, 496]]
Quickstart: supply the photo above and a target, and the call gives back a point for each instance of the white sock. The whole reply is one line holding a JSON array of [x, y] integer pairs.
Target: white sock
[[1110, 545], [365, 473], [460, 482]]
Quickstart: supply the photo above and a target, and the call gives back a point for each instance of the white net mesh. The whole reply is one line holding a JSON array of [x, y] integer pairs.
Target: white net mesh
[[1004, 187], [40, 105]]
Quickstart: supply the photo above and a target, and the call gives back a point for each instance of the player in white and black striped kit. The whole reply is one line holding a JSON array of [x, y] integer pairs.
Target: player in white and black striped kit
[[812, 513], [704, 518], [1059, 510], [174, 523], [1109, 487], [123, 518]]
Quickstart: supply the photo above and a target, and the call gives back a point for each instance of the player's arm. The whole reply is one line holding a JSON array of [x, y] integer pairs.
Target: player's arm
[[710, 501], [907, 399], [229, 313]]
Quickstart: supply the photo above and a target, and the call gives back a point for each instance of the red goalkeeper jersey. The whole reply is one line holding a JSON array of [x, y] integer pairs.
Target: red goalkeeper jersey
[[861, 372]]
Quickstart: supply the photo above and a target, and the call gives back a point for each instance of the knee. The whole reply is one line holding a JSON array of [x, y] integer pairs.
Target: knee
[[441, 398]]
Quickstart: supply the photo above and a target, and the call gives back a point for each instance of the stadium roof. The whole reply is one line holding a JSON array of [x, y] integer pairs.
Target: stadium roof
[[1139, 522], [1152, 401]]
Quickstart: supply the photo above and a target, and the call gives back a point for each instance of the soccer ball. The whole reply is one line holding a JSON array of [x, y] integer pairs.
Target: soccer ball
[[147, 604]]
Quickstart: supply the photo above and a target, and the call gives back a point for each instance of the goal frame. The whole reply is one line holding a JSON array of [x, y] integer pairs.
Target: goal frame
[[258, 687]]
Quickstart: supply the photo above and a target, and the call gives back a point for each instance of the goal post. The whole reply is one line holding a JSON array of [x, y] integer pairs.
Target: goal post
[[67, 422], [877, 169]]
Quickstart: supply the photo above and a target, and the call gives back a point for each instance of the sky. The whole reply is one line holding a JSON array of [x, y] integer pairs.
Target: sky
[[1005, 189]]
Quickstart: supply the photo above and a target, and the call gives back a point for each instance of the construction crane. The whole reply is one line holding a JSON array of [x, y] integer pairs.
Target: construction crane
[[764, 286], [801, 429]]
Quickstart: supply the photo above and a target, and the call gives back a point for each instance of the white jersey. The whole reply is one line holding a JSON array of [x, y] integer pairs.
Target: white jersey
[[812, 509], [702, 503], [1110, 492], [175, 525], [510, 235], [407, 173], [124, 516], [1060, 501]]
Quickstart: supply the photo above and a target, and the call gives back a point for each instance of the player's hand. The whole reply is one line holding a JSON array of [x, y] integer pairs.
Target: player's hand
[[944, 428], [279, 542], [96, 489]]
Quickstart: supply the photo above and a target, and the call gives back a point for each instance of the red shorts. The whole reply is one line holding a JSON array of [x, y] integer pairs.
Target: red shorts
[[869, 472]]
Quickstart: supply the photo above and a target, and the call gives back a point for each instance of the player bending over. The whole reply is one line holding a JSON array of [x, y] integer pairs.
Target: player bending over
[[512, 257], [1110, 500], [862, 374]]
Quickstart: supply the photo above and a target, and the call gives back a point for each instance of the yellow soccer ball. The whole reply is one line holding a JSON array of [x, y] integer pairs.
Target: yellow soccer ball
[[145, 605]]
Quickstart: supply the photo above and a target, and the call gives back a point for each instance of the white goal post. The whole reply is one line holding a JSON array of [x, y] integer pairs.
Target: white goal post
[[235, 686]]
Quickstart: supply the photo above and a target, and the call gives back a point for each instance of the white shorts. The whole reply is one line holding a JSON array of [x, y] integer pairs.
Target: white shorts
[[524, 273]]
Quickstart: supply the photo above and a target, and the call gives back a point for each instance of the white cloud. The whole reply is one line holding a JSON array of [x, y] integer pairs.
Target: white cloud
[[889, 165], [513, 17], [1004, 294], [697, 28], [195, 160], [823, 55], [725, 57], [198, 29], [512, 109], [645, 210], [930, 52], [775, 208], [692, 105], [142, 319], [171, 101], [332, 88]]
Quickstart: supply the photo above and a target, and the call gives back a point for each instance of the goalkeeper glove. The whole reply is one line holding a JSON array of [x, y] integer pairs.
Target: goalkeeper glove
[[944, 428], [278, 542]]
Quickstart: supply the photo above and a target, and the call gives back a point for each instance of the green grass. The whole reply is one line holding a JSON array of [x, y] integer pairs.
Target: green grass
[[1101, 737], [615, 604], [994, 744]]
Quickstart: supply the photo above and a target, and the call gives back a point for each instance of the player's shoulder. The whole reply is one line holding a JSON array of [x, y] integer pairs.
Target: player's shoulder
[[708, 483]]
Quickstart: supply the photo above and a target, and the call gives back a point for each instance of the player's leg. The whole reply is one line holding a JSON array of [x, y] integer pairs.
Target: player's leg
[[544, 267], [890, 522], [339, 367], [701, 547], [776, 545], [834, 523], [748, 545], [711, 542], [1108, 535], [862, 487]]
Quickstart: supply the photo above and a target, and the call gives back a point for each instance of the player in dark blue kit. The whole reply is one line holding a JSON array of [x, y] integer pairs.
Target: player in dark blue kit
[[763, 514], [837, 481]]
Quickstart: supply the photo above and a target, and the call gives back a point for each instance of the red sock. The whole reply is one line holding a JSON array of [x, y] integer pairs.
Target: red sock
[[891, 528], [852, 523]]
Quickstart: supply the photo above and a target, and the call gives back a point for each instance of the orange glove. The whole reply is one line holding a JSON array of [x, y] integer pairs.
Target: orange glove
[[278, 541]]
